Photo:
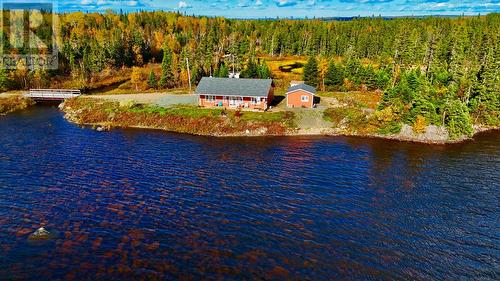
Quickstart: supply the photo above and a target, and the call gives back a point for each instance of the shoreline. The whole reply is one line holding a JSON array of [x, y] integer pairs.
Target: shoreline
[[299, 133], [13, 103], [105, 115], [219, 127]]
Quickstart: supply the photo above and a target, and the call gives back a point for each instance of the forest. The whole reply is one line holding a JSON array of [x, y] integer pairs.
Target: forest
[[434, 70]]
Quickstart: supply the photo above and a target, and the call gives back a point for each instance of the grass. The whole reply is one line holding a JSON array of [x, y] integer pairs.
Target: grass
[[178, 118], [361, 99], [178, 110], [264, 116], [285, 69]]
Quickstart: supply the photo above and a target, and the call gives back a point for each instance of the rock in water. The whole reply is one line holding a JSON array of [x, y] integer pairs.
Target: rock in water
[[40, 234]]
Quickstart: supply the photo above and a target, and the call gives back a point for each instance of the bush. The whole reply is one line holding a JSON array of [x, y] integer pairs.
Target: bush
[[420, 124], [390, 128], [354, 118], [127, 104]]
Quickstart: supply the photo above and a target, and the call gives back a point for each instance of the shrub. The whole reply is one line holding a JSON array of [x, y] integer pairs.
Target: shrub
[[390, 128], [385, 115], [354, 118], [420, 124], [127, 104]]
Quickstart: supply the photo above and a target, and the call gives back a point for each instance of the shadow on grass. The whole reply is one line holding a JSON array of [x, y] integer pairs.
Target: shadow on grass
[[277, 100], [317, 100]]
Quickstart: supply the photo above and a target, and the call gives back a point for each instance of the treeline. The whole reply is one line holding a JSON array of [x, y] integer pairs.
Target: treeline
[[92, 42], [419, 96], [456, 58]]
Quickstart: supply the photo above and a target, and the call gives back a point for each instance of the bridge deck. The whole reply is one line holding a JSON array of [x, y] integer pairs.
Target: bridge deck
[[52, 94]]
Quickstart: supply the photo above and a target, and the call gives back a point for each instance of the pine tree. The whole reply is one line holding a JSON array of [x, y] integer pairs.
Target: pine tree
[[167, 76], [152, 80], [223, 71], [263, 71], [311, 73], [4, 79], [334, 77], [251, 71]]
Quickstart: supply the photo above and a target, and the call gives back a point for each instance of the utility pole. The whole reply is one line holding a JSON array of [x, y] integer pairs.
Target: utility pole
[[189, 74]]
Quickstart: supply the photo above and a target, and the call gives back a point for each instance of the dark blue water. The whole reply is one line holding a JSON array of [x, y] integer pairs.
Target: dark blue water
[[129, 204]]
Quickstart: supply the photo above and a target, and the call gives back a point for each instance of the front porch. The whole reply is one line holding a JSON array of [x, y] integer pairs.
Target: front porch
[[234, 102]]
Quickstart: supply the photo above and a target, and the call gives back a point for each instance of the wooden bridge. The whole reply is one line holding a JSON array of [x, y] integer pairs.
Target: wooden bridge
[[52, 94]]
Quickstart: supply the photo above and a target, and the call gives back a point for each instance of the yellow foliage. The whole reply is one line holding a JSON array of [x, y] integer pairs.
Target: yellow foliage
[[348, 84], [420, 124], [386, 115], [136, 77]]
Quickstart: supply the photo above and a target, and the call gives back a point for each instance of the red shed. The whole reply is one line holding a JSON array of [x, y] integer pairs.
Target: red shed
[[301, 95]]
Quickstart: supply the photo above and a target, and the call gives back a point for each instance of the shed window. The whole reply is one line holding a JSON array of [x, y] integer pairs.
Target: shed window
[[304, 98], [210, 98]]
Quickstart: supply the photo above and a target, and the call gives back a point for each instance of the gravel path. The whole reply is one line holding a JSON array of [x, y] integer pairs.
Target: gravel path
[[310, 118], [163, 99]]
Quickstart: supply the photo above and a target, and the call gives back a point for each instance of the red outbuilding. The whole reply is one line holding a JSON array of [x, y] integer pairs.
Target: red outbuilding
[[301, 95]]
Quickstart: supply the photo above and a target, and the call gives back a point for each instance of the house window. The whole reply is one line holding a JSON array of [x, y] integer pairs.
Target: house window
[[304, 98], [255, 100], [235, 101], [210, 98]]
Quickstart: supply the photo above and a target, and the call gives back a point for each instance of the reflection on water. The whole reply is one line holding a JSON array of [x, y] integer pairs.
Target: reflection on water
[[131, 203]]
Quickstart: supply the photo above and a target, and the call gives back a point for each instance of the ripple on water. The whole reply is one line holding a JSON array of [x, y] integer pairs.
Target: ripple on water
[[133, 203]]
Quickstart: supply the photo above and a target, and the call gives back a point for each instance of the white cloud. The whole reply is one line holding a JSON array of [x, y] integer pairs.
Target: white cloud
[[183, 5]]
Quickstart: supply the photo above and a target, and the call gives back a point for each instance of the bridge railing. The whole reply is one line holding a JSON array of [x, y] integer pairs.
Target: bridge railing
[[56, 94]]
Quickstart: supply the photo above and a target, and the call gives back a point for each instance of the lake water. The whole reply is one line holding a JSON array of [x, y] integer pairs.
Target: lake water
[[132, 203]]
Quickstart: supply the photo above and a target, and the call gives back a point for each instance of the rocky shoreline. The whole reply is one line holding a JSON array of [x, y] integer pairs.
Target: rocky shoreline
[[106, 119]]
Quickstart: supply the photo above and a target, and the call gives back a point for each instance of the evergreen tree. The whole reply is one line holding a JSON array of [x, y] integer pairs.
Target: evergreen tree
[[382, 79], [334, 77], [369, 77], [223, 71], [167, 76], [4, 79], [251, 71], [311, 73], [263, 71], [152, 83]]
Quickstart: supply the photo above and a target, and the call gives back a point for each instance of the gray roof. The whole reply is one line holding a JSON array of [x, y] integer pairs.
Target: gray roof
[[304, 87], [234, 87]]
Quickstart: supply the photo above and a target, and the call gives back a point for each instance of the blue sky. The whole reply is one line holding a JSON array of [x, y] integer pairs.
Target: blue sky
[[289, 8]]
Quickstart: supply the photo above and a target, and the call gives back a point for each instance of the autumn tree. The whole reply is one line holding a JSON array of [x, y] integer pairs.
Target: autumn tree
[[136, 77]]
